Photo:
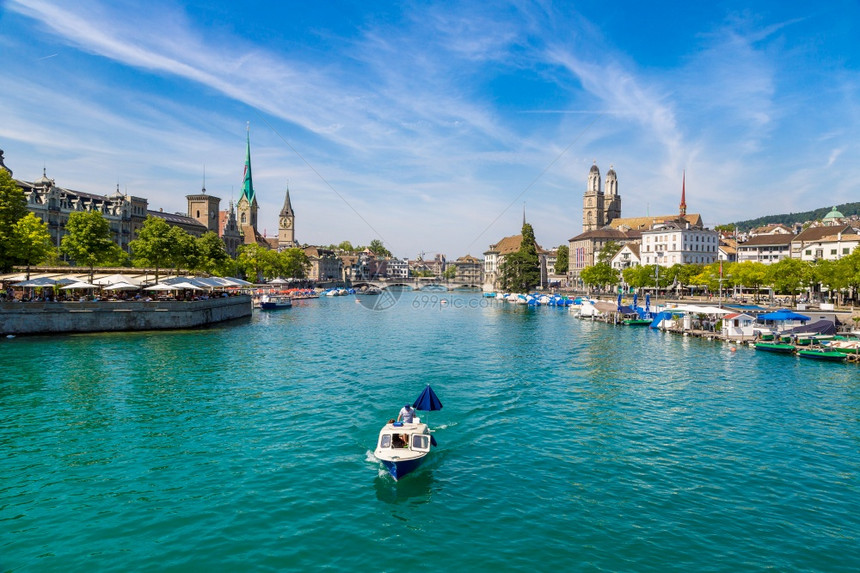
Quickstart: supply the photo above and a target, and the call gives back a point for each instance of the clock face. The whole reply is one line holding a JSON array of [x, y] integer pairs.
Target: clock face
[[286, 222]]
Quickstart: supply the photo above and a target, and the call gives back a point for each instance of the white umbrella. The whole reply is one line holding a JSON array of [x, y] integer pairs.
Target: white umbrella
[[160, 286], [116, 279], [185, 286], [122, 286], [81, 285], [40, 282]]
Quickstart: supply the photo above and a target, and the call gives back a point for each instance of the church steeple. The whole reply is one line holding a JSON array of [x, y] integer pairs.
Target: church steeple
[[247, 182], [683, 207], [287, 209]]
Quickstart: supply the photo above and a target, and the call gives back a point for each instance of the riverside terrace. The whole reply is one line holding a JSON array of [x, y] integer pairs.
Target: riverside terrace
[[41, 305]]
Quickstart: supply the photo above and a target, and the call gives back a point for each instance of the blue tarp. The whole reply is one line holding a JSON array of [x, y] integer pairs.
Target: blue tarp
[[782, 314], [660, 317], [427, 401]]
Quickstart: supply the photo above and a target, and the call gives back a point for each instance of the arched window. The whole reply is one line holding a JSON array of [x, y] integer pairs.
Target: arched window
[[244, 220]]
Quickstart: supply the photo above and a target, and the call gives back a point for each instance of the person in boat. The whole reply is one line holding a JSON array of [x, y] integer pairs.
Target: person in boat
[[406, 415], [400, 441]]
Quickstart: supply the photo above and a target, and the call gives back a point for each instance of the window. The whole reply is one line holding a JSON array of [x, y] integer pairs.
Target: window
[[419, 441], [845, 251], [385, 441], [832, 251]]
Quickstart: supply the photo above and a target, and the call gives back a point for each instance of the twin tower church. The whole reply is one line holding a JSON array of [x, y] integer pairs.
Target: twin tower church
[[239, 227]]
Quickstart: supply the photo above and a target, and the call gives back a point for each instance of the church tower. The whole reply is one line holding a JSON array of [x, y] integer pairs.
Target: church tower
[[682, 208], [287, 225], [612, 200], [204, 208], [246, 207], [592, 202]]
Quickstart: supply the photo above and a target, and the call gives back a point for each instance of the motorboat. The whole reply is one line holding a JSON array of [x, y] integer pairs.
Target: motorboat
[[275, 302], [402, 446], [779, 347], [819, 354]]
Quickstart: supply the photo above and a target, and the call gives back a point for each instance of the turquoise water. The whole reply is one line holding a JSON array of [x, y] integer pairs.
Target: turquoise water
[[564, 445]]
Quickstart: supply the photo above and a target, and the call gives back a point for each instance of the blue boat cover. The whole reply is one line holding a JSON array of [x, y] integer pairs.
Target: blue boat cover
[[782, 314], [427, 401]]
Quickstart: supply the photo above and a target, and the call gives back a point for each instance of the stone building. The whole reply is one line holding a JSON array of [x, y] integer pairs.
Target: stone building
[[600, 206]]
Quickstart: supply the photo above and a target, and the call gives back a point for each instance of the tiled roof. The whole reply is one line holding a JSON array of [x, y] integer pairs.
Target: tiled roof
[[644, 223], [767, 240], [816, 233], [607, 234]]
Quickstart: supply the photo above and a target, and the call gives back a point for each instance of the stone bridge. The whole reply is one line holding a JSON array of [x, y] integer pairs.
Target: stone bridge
[[416, 283]]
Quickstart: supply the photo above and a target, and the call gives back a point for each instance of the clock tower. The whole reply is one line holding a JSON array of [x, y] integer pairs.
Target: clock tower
[[286, 225]]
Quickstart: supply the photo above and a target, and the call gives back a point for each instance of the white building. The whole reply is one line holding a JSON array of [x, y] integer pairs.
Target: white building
[[678, 242], [398, 268], [765, 249], [830, 248], [626, 257]]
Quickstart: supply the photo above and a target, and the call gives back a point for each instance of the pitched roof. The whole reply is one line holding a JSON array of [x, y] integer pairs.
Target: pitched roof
[[607, 233], [816, 233], [644, 223], [767, 240], [510, 245]]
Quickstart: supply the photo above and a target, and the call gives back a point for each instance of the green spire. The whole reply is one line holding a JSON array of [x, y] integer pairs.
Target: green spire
[[247, 183]]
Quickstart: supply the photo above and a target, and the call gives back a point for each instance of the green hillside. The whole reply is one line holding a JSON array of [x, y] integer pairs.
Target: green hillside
[[846, 209]]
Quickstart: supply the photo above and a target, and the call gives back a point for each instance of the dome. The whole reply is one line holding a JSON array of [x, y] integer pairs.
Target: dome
[[611, 172], [594, 169], [833, 214], [44, 180]]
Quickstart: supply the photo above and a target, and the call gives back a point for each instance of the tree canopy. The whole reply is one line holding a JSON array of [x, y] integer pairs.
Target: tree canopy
[[153, 245], [88, 240], [31, 242], [13, 207], [562, 260], [520, 271]]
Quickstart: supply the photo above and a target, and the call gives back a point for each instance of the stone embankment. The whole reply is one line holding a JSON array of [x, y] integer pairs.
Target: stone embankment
[[112, 316]]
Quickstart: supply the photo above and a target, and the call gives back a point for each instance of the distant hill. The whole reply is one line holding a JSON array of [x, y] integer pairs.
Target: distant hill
[[846, 209]]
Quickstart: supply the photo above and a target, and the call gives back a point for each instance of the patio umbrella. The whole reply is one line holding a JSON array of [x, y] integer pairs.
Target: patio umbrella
[[121, 286], [619, 302], [647, 302], [79, 285], [635, 299], [185, 286], [40, 282], [160, 286], [116, 279]]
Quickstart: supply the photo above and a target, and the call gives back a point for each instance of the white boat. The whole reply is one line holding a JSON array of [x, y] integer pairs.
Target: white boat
[[275, 302], [401, 447]]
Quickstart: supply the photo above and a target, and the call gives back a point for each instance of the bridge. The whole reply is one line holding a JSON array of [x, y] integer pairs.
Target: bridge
[[414, 283]]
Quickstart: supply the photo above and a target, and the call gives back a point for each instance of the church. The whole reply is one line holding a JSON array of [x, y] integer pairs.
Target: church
[[240, 227], [602, 223]]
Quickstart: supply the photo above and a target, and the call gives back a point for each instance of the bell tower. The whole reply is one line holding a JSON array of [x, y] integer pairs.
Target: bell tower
[[612, 200], [592, 202], [287, 224]]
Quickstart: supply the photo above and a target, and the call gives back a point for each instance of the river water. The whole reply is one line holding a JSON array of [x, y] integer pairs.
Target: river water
[[564, 445]]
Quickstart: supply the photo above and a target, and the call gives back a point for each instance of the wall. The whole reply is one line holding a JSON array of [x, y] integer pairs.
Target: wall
[[65, 317]]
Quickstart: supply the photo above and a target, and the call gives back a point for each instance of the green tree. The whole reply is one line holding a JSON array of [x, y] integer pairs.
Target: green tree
[[257, 263], [294, 263], [213, 258], [31, 242], [562, 259], [345, 246], [750, 274], [609, 250], [183, 253], [788, 276], [520, 271], [847, 270], [377, 248], [88, 240], [450, 272], [13, 207], [600, 275], [728, 228], [153, 245]]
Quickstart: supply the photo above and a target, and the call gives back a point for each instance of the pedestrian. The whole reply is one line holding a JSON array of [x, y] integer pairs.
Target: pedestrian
[[407, 414]]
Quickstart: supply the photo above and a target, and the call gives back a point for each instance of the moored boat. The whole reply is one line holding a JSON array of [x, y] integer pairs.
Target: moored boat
[[275, 302], [779, 347], [819, 354], [637, 322]]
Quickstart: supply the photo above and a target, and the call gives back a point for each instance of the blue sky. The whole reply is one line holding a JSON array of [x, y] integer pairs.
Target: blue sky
[[429, 125]]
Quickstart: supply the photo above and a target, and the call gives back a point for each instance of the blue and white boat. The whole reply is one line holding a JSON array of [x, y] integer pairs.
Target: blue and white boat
[[275, 302], [402, 447]]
